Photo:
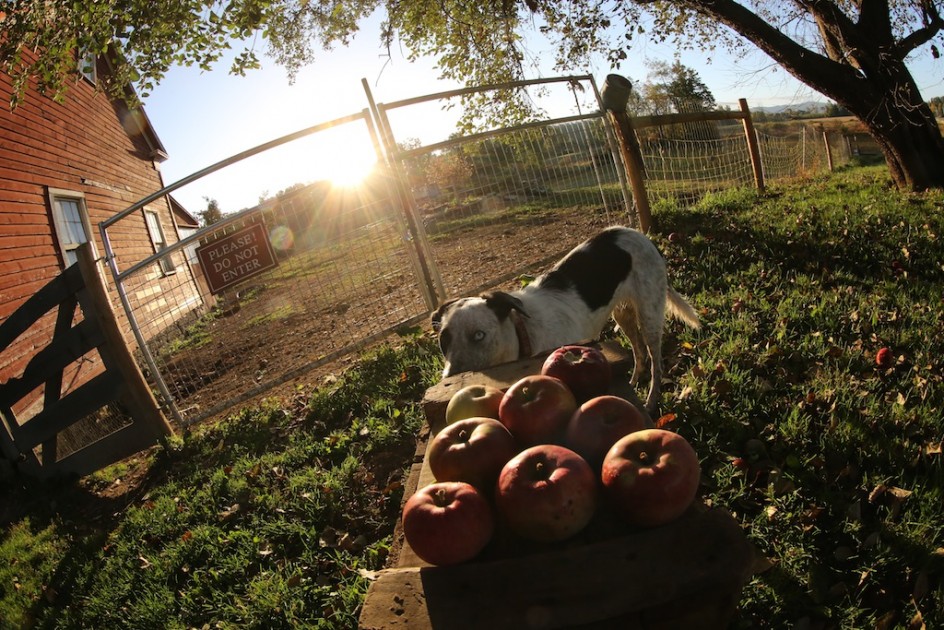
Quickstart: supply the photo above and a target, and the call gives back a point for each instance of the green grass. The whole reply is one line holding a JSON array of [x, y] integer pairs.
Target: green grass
[[831, 464], [195, 335], [283, 312], [798, 290]]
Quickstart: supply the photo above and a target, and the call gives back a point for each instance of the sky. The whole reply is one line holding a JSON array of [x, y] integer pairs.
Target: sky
[[204, 117]]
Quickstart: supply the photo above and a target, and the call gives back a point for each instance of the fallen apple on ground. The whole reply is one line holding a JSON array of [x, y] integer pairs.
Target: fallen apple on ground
[[883, 358], [448, 523], [583, 369], [536, 410], [546, 493], [598, 423], [474, 401], [473, 450], [650, 477]]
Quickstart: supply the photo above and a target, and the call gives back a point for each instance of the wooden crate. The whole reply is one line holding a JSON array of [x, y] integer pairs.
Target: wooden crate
[[688, 573]]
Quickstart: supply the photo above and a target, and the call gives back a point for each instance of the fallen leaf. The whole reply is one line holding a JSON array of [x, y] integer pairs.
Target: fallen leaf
[[665, 420], [230, 512], [368, 575], [899, 493], [877, 492]]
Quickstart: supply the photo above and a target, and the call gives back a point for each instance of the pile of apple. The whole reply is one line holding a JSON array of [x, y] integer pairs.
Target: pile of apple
[[540, 458]]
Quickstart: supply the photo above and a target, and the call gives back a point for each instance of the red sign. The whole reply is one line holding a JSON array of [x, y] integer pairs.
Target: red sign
[[236, 257]]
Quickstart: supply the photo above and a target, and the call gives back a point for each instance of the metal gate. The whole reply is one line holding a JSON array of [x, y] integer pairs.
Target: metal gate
[[534, 182], [317, 272]]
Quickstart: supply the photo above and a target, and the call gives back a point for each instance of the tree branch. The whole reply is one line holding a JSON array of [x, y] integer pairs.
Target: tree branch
[[818, 71], [933, 25], [875, 20]]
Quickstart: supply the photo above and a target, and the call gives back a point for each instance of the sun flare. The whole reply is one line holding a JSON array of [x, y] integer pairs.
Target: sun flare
[[345, 160]]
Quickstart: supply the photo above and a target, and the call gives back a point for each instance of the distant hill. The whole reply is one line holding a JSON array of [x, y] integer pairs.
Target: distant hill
[[808, 106]]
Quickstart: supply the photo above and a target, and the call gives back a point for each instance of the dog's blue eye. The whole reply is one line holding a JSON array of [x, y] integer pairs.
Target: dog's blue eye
[[479, 335]]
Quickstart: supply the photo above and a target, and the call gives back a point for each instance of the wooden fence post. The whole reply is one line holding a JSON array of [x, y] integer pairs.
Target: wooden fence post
[[632, 157], [752, 147], [138, 397], [829, 152]]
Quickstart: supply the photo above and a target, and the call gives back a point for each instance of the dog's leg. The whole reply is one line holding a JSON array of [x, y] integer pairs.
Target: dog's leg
[[625, 318], [651, 319]]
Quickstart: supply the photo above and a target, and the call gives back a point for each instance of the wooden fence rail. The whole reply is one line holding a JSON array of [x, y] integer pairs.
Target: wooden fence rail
[[119, 382]]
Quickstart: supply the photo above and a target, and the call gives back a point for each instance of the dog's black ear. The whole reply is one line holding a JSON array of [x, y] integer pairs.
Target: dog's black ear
[[503, 303], [436, 317]]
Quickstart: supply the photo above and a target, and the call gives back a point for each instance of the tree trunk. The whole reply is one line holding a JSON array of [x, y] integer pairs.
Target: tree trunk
[[903, 126]]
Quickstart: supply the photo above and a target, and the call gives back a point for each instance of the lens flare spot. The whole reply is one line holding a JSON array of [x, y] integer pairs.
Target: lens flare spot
[[282, 238]]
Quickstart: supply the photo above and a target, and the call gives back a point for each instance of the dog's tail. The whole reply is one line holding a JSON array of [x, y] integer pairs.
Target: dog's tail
[[679, 308]]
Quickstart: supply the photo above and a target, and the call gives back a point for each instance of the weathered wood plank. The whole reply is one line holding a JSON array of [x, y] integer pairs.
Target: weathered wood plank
[[93, 395], [137, 395], [111, 448], [53, 388], [51, 360], [665, 567], [44, 300]]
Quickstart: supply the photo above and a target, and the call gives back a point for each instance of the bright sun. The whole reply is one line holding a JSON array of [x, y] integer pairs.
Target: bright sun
[[344, 159]]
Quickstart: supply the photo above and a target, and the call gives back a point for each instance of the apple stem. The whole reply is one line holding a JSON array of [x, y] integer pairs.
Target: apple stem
[[644, 457], [441, 498], [463, 435]]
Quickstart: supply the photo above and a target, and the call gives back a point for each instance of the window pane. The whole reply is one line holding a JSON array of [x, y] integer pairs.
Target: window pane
[[154, 227], [157, 237], [73, 230]]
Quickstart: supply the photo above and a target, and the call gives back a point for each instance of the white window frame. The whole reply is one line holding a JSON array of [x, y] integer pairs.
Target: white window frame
[[88, 67], [67, 245], [159, 240]]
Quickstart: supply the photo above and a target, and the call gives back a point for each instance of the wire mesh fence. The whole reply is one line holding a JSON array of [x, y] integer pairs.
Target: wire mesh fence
[[801, 153], [682, 164], [499, 206], [344, 276]]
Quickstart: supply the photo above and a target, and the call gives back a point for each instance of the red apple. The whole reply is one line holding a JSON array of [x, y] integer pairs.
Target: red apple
[[473, 450], [474, 401], [883, 358], [546, 493], [583, 369], [448, 523], [536, 409], [650, 477], [598, 424]]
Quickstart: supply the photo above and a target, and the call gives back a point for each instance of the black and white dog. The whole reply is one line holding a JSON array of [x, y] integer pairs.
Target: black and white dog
[[618, 273]]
